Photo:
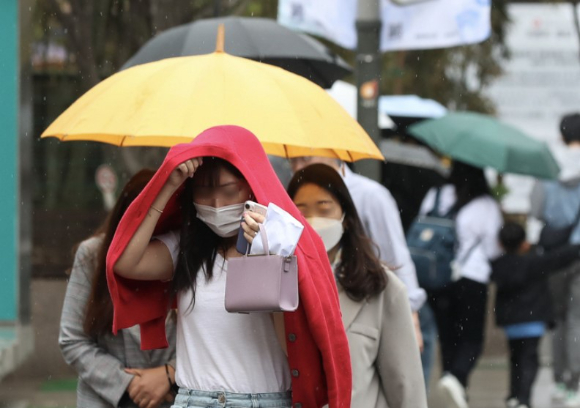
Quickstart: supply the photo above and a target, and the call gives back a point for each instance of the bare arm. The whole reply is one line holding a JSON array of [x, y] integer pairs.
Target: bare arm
[[144, 259]]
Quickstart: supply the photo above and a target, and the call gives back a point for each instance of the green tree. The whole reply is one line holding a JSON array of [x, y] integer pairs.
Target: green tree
[[99, 36]]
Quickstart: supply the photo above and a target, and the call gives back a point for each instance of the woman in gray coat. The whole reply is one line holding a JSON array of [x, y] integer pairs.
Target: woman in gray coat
[[113, 371], [376, 314]]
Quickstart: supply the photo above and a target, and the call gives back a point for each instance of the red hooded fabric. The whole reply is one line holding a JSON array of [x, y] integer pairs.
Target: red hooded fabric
[[318, 353]]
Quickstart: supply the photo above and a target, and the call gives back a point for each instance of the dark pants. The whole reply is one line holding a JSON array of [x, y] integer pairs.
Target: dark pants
[[524, 365], [460, 315], [429, 333]]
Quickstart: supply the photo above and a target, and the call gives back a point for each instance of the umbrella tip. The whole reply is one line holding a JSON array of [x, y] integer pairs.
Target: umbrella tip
[[221, 34]]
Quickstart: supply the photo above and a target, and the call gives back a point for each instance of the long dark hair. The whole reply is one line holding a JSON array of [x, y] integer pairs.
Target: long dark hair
[[469, 183], [360, 272], [199, 245], [99, 312]]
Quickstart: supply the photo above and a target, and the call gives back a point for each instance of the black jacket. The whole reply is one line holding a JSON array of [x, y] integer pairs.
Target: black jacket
[[522, 285]]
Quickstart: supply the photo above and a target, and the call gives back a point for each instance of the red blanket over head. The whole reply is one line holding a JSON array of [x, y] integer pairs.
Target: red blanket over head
[[317, 344]]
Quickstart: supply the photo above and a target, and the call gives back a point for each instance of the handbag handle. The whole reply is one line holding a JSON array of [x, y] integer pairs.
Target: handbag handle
[[264, 241]]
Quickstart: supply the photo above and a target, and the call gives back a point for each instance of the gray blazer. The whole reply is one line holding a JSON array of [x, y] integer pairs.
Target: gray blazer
[[386, 364], [100, 361]]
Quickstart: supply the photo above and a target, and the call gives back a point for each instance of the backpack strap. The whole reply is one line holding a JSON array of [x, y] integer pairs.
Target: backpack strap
[[435, 211], [467, 255]]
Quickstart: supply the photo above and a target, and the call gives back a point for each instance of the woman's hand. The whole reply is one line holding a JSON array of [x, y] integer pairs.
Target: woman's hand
[[251, 225], [149, 387], [183, 171]]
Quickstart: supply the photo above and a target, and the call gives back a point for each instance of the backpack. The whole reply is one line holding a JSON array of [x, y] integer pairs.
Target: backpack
[[432, 243], [553, 238]]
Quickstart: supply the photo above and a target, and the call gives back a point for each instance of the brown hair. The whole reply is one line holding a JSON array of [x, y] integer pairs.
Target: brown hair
[[360, 272], [99, 312]]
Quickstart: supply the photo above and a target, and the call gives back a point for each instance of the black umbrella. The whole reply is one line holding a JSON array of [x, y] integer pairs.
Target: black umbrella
[[259, 39]]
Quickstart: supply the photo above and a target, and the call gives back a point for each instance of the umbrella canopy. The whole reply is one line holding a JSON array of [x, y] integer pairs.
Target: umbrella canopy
[[482, 141], [259, 39], [170, 101], [412, 155], [410, 106]]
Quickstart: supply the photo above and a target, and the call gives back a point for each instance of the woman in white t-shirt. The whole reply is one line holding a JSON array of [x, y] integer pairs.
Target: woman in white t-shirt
[[173, 246], [459, 308], [201, 309]]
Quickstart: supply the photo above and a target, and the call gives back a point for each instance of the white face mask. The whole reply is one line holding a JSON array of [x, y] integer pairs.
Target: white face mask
[[224, 221], [329, 229]]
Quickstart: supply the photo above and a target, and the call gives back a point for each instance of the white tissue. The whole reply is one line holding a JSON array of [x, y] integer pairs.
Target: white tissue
[[282, 231]]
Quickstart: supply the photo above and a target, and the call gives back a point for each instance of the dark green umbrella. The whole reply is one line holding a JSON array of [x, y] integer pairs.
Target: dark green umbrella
[[483, 141]]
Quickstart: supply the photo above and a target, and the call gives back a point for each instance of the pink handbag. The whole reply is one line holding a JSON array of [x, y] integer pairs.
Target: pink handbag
[[262, 283]]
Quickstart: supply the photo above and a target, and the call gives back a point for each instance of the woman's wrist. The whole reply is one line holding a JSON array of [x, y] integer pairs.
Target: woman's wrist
[[170, 372], [158, 205]]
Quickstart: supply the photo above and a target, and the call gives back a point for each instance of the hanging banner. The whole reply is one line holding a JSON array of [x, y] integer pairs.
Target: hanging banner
[[423, 25]]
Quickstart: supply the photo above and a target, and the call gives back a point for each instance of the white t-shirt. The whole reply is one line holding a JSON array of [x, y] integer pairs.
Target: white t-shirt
[[221, 351], [477, 226]]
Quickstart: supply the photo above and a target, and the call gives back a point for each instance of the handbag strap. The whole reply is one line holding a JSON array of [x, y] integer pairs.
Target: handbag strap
[[265, 245], [264, 239]]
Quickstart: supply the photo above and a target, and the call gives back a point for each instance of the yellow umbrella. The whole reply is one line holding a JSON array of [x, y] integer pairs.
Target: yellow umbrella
[[171, 101]]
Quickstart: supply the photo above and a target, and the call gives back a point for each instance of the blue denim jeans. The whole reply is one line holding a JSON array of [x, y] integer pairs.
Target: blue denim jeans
[[222, 399]]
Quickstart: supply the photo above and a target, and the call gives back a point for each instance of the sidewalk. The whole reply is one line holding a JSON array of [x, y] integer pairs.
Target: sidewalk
[[489, 383], [36, 393], [488, 390]]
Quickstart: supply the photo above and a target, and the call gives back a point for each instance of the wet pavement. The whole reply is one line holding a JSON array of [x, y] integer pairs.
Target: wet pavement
[[488, 390], [489, 384], [42, 380]]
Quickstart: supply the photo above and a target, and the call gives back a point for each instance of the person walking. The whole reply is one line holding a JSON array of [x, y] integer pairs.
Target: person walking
[[385, 358], [173, 246], [381, 220], [522, 304], [112, 370], [460, 307], [557, 204]]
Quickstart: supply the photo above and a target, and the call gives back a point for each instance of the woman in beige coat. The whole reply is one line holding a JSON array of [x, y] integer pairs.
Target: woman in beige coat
[[384, 353]]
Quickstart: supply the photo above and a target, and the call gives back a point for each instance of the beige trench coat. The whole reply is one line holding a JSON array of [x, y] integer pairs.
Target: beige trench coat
[[386, 364]]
